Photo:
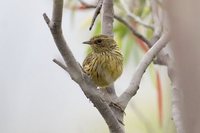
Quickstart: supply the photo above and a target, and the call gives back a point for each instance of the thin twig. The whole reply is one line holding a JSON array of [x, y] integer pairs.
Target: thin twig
[[61, 65], [157, 23], [134, 17], [140, 70], [133, 30], [96, 13], [75, 71], [46, 18], [137, 34]]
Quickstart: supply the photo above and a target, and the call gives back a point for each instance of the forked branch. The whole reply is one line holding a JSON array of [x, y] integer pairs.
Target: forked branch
[[140, 70], [75, 70], [110, 114]]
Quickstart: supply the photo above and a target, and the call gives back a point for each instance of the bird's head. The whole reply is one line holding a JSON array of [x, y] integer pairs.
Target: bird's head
[[101, 43]]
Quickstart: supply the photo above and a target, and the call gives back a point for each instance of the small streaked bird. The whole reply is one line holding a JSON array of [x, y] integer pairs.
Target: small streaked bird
[[105, 63]]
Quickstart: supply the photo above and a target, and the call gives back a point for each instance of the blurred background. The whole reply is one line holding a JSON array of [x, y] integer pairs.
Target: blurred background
[[36, 96]]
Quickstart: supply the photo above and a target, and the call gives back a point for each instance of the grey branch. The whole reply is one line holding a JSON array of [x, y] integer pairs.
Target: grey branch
[[129, 26], [60, 64], [140, 70], [75, 70], [55, 26], [134, 17], [107, 18], [107, 29], [133, 30], [111, 114], [96, 13], [156, 20]]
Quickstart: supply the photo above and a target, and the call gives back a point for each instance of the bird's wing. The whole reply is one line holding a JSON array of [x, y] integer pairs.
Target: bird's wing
[[87, 62]]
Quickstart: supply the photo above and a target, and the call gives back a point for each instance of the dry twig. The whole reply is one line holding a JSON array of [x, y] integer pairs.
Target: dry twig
[[134, 17], [75, 70], [112, 115], [133, 30], [96, 13]]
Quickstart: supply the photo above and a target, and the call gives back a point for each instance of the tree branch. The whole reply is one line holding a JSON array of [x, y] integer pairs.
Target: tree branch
[[96, 13], [134, 17], [157, 23], [129, 26], [162, 56], [75, 71], [107, 18], [111, 114], [61, 65], [107, 29], [141, 68], [55, 26], [133, 30]]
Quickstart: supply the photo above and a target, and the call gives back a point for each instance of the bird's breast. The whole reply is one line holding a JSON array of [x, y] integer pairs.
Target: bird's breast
[[107, 67]]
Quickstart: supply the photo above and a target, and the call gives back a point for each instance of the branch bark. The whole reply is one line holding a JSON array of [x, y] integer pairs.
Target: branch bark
[[61, 65], [111, 111], [134, 17], [157, 23], [96, 13], [107, 18], [121, 20], [107, 29], [140, 70], [55, 26], [133, 30], [75, 70]]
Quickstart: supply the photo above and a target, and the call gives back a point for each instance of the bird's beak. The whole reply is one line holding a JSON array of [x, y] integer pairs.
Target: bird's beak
[[87, 42]]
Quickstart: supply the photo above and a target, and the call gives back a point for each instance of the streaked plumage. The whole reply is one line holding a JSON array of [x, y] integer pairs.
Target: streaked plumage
[[105, 63]]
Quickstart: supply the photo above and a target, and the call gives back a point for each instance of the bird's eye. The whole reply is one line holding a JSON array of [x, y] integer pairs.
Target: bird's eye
[[98, 41]]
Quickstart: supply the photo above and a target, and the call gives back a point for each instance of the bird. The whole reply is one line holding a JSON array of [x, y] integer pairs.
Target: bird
[[104, 64]]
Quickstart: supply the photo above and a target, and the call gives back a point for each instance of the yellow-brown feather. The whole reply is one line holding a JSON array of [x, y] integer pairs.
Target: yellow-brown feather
[[104, 66]]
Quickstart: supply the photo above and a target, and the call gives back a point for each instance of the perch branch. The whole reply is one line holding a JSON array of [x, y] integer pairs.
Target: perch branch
[[107, 29], [107, 18], [55, 26], [140, 70], [75, 70]]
